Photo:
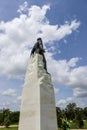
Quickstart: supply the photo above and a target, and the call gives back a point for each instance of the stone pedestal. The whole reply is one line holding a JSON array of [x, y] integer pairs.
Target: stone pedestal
[[38, 110]]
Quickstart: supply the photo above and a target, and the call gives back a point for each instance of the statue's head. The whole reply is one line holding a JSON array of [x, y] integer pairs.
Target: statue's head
[[39, 40]]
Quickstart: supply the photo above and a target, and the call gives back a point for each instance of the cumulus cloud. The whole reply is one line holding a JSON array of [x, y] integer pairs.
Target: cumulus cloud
[[4, 104], [80, 92], [19, 98], [9, 92], [23, 7], [63, 102], [56, 90], [18, 36], [67, 72], [13, 104], [8, 99]]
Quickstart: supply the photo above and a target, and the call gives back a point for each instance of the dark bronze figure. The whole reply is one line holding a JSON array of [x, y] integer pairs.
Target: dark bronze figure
[[38, 48]]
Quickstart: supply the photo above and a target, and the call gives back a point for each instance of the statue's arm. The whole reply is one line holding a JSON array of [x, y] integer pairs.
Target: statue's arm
[[41, 48], [33, 50]]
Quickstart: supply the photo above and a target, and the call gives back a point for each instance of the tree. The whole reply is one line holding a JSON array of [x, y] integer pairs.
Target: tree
[[70, 111], [6, 117], [7, 122], [14, 117], [59, 117], [85, 113], [1, 118], [79, 117]]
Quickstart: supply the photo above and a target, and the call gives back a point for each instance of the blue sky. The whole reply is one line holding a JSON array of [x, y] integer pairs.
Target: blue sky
[[62, 26]]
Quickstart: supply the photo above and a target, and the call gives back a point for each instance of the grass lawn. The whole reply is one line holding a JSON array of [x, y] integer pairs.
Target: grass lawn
[[10, 128]]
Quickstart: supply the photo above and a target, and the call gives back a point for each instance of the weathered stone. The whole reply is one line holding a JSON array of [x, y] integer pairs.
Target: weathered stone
[[38, 110]]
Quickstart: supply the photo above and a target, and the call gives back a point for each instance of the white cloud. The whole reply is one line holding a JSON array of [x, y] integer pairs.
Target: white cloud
[[13, 104], [63, 102], [72, 62], [80, 92], [19, 98], [23, 7], [4, 104], [9, 92], [69, 74], [56, 90], [19, 35], [53, 32]]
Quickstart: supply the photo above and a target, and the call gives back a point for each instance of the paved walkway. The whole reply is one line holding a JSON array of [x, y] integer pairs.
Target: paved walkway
[[10, 126]]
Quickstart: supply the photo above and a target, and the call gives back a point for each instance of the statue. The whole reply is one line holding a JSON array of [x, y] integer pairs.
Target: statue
[[38, 48]]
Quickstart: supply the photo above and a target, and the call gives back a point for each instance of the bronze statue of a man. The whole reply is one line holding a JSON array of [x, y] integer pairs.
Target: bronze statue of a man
[[38, 48]]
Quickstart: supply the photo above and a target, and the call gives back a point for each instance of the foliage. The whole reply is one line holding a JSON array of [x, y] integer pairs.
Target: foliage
[[73, 125], [1, 118], [79, 117], [7, 122], [59, 117], [6, 112], [85, 113], [74, 114], [6, 117], [65, 125], [14, 117], [70, 111]]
